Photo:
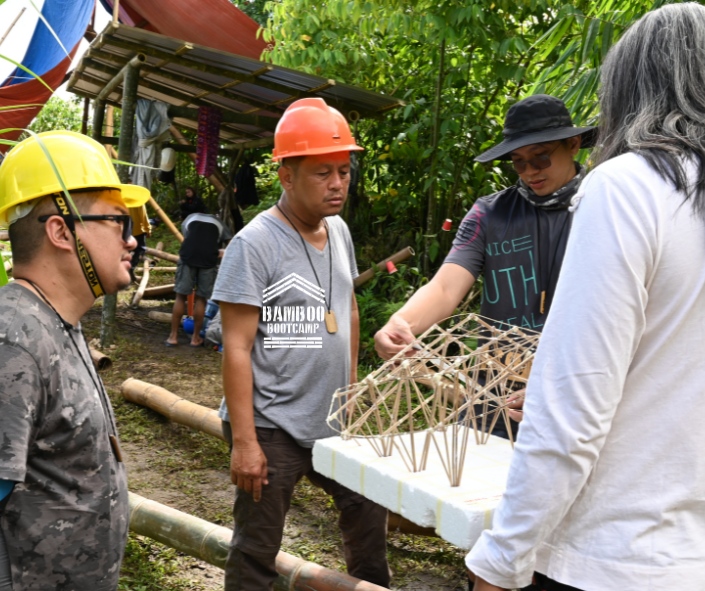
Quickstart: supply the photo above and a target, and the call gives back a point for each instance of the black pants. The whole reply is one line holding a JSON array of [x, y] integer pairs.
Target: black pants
[[541, 583], [259, 526]]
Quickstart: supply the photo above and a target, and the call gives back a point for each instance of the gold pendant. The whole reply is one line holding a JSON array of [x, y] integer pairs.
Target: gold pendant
[[331, 322]]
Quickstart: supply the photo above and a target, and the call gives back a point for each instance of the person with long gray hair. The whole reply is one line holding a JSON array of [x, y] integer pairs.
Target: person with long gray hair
[[607, 485]]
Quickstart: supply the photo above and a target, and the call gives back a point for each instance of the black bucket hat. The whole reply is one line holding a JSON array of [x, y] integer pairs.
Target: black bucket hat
[[538, 118]]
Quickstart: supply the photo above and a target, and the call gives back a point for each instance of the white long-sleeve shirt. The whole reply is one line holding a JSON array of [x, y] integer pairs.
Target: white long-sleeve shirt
[[607, 485]]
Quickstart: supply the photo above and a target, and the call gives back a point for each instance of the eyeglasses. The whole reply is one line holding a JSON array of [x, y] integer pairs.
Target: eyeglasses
[[124, 220], [539, 162]]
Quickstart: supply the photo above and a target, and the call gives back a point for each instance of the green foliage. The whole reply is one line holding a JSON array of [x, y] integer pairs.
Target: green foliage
[[458, 66], [377, 300], [59, 114], [255, 9]]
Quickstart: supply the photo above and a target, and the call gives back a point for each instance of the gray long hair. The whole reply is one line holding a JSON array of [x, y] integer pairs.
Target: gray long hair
[[653, 96]]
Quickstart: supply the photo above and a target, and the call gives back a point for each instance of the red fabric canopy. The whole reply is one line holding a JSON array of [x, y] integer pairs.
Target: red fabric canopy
[[32, 92], [213, 23]]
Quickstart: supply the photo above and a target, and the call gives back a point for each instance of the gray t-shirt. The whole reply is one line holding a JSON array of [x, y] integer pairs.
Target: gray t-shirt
[[65, 522], [297, 364]]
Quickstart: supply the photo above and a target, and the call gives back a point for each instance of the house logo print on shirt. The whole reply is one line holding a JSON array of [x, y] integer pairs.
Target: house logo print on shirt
[[289, 327]]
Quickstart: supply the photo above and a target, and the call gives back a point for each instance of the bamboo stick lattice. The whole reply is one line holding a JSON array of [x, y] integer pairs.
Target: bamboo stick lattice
[[450, 384]]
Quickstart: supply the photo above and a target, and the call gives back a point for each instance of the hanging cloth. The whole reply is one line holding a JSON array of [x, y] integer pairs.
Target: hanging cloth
[[151, 129], [208, 140]]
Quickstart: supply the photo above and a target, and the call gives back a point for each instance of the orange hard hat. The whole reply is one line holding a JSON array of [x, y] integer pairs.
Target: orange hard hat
[[310, 127]]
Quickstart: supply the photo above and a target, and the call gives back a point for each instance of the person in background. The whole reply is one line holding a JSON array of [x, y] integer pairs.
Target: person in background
[[290, 339], [191, 203], [204, 234], [516, 237], [63, 490], [606, 489], [141, 230]]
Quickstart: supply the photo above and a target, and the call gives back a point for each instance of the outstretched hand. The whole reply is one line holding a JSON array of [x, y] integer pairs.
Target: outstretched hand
[[393, 337]]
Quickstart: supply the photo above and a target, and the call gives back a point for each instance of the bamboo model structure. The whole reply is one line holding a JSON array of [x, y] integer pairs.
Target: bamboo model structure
[[450, 383]]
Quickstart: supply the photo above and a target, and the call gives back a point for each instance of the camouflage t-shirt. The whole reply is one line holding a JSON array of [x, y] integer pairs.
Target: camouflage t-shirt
[[65, 523]]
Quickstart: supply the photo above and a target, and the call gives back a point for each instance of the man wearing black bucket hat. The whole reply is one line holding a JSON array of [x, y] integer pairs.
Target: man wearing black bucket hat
[[516, 237]]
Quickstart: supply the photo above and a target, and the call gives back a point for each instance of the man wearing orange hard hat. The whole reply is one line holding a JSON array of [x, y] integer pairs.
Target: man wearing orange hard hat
[[63, 490], [290, 340]]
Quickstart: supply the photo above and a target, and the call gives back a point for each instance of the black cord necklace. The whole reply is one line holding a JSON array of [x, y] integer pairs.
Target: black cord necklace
[[97, 383], [331, 322]]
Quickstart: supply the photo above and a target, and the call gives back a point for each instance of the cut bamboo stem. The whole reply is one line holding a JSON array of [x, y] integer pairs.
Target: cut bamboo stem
[[397, 257], [100, 360]]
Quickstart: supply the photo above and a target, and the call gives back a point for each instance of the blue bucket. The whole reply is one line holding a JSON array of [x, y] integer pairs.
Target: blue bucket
[[187, 324]]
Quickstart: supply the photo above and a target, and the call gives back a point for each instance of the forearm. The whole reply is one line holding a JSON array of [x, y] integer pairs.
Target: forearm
[[354, 339], [237, 387], [429, 305]]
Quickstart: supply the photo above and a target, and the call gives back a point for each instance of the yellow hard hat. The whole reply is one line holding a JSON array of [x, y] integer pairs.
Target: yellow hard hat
[[27, 173]]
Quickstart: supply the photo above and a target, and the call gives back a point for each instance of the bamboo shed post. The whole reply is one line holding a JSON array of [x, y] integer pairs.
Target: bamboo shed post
[[130, 81]]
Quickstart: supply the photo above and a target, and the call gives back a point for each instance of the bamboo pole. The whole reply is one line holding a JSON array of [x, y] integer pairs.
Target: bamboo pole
[[209, 542], [159, 269], [143, 284], [160, 254], [100, 360], [159, 291], [397, 257], [206, 420], [12, 25], [159, 316], [173, 407], [165, 218]]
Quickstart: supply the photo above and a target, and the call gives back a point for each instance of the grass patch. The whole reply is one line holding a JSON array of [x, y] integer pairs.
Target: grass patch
[[151, 566]]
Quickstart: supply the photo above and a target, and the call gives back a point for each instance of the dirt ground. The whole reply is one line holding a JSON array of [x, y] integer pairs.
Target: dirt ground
[[186, 470]]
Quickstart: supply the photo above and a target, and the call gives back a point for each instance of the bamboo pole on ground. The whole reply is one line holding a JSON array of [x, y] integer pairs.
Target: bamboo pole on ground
[[397, 257], [204, 419], [209, 542], [159, 291], [143, 284], [159, 269], [173, 407], [100, 360], [159, 316], [160, 254]]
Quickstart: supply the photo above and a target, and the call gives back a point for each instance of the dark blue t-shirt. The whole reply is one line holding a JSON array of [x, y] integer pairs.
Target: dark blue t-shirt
[[519, 248]]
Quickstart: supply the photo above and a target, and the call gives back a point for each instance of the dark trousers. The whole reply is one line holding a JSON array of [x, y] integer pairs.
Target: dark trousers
[[541, 583], [259, 526]]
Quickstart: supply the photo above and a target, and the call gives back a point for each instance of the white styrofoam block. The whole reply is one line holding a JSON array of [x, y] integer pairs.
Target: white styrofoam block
[[458, 514]]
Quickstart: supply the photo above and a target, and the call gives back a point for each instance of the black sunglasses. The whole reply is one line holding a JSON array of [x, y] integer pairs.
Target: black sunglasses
[[539, 162], [123, 219]]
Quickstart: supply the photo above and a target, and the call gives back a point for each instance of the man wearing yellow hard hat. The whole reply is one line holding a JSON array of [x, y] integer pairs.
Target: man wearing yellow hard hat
[[63, 489], [290, 339]]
